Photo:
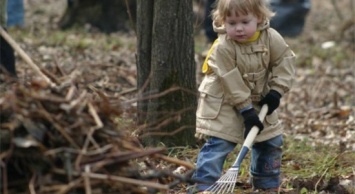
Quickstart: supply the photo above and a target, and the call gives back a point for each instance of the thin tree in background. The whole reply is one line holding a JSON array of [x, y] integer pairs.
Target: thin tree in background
[[166, 72]]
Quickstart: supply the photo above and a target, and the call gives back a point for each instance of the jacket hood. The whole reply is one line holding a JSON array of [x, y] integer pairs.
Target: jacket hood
[[220, 28]]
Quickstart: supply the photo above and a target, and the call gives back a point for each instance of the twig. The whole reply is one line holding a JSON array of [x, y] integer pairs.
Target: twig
[[31, 186], [165, 133], [61, 71], [321, 177], [168, 159], [67, 188], [75, 151], [163, 93], [145, 85], [176, 161], [156, 126], [98, 122], [70, 93], [69, 79], [326, 170], [89, 137], [4, 177], [96, 117], [87, 180], [121, 157], [160, 123], [130, 16], [25, 57], [73, 103], [129, 181], [126, 91], [58, 127], [41, 97]]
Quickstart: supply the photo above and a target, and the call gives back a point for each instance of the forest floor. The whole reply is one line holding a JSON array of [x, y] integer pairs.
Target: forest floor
[[318, 113]]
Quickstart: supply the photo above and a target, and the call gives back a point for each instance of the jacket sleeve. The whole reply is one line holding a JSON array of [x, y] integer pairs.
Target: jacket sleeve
[[223, 64], [281, 65]]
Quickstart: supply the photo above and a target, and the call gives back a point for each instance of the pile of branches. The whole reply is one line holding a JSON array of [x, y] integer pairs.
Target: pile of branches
[[60, 135], [68, 140]]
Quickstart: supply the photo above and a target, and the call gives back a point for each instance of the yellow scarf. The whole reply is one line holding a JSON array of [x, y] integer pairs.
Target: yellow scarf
[[253, 38], [205, 68]]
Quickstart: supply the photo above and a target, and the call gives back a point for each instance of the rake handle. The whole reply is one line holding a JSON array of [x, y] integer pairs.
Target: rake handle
[[250, 138], [255, 130]]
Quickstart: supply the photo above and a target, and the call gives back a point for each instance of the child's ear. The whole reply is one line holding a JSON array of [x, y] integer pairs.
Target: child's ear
[[260, 20]]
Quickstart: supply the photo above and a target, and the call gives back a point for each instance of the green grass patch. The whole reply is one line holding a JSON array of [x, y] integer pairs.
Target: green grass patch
[[303, 161]]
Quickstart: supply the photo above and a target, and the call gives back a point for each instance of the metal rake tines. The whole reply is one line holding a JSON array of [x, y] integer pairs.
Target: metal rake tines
[[226, 183]]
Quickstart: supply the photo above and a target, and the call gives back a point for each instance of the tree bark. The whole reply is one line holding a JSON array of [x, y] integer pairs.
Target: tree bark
[[144, 49], [165, 60]]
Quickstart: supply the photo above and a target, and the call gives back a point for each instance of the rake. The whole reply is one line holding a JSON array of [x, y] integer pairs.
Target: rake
[[227, 182]]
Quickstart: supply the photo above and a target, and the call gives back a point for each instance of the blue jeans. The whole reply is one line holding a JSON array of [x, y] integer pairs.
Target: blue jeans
[[15, 13], [264, 169]]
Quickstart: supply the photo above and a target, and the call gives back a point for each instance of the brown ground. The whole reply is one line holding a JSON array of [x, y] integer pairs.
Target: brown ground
[[320, 107]]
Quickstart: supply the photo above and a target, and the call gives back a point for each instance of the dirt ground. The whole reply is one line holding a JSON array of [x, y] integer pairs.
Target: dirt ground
[[319, 108], [325, 76]]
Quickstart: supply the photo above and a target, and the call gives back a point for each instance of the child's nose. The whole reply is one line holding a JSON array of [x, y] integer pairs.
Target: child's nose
[[238, 27]]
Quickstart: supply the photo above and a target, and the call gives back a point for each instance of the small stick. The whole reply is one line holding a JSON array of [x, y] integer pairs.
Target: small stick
[[176, 161], [96, 117], [31, 184], [57, 126], [169, 159], [4, 181], [129, 181], [320, 179], [64, 189], [25, 57], [87, 180], [70, 93], [89, 137]]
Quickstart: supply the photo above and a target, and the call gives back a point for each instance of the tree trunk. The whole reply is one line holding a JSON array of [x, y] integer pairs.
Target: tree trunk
[[105, 15], [144, 49], [165, 61]]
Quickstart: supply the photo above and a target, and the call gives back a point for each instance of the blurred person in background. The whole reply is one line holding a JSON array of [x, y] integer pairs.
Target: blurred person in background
[[7, 57], [15, 13], [289, 19], [290, 16]]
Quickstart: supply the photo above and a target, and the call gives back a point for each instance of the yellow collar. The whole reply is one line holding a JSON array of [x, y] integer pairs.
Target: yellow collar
[[254, 37]]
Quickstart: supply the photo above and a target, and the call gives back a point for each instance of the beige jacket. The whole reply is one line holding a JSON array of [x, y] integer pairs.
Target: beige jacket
[[240, 74]]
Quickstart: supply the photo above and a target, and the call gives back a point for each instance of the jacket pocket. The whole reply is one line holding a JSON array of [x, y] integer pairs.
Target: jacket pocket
[[210, 101]]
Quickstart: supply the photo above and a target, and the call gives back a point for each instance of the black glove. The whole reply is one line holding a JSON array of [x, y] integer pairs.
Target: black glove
[[272, 99], [251, 119]]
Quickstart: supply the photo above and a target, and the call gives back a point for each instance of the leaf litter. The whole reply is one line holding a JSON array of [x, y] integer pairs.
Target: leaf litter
[[81, 130]]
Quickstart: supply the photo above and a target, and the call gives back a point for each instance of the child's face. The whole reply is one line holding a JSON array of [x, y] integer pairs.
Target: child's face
[[242, 27]]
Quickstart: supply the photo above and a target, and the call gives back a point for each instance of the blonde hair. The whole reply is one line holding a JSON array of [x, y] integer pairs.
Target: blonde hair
[[224, 8]]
